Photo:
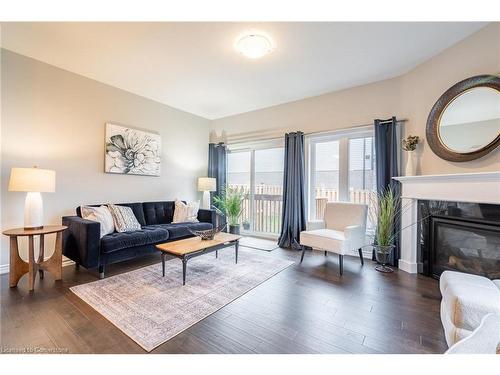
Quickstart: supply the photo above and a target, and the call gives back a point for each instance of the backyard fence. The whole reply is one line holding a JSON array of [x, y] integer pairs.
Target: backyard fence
[[268, 205]]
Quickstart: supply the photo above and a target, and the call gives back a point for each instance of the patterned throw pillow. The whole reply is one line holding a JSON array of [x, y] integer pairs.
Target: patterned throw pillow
[[101, 215], [124, 218], [184, 213]]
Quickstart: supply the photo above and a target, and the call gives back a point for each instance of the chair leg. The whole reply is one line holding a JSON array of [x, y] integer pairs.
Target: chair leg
[[101, 272], [341, 264], [360, 251], [303, 252]]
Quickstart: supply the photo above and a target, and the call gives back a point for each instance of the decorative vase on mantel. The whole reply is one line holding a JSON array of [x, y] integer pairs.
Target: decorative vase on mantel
[[410, 146], [411, 163]]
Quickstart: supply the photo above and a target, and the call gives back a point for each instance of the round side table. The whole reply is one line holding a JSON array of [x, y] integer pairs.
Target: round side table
[[19, 267]]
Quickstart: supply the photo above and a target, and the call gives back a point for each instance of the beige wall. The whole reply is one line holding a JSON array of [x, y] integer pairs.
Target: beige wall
[[337, 110], [477, 54], [56, 119], [410, 96]]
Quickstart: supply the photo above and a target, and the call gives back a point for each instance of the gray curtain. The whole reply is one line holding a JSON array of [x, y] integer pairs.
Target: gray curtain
[[387, 148], [217, 168], [294, 212]]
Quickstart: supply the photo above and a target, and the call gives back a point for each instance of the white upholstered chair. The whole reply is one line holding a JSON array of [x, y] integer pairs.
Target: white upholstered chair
[[343, 229], [466, 300], [485, 339]]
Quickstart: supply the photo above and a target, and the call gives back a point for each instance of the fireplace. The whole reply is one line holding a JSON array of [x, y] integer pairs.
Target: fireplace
[[458, 236]]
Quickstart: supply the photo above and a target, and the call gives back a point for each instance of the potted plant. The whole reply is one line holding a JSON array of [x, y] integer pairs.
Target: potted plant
[[386, 210], [410, 145], [230, 203], [386, 213], [246, 224]]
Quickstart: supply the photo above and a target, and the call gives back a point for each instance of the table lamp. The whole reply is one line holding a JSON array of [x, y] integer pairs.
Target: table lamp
[[206, 185], [33, 181]]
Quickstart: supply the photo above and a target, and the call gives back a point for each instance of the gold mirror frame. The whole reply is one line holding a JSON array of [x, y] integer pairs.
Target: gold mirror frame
[[432, 127]]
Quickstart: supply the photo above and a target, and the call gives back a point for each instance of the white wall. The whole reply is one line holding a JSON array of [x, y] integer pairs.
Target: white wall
[[410, 96], [56, 120]]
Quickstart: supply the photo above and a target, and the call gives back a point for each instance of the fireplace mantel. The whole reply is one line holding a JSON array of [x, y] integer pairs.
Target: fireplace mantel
[[452, 176], [481, 187]]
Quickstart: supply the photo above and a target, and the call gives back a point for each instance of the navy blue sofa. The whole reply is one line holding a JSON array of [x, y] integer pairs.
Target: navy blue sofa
[[81, 242]]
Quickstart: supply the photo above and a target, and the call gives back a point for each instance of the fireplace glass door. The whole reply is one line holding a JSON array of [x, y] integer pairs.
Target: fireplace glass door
[[464, 246]]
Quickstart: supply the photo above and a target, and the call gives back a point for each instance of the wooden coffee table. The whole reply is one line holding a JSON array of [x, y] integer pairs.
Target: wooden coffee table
[[192, 247]]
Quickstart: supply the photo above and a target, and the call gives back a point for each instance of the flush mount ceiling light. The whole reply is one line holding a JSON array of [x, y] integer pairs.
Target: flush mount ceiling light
[[254, 45]]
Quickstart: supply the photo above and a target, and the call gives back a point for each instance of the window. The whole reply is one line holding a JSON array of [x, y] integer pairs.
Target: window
[[326, 176], [362, 176], [341, 167]]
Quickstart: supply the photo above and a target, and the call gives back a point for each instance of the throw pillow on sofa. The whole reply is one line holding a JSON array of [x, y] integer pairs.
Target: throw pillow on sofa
[[124, 218], [184, 213], [101, 215]]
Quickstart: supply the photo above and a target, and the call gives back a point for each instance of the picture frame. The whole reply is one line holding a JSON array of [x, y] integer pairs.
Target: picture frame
[[132, 151]]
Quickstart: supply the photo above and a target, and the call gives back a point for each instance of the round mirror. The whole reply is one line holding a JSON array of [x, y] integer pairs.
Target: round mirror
[[464, 124], [471, 121]]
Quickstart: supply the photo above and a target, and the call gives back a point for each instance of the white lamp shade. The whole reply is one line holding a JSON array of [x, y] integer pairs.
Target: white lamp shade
[[207, 184], [32, 180]]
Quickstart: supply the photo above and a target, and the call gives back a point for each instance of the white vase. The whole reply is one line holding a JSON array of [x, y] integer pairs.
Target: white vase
[[411, 164]]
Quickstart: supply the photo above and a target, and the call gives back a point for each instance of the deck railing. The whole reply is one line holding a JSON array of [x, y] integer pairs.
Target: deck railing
[[268, 205], [355, 196]]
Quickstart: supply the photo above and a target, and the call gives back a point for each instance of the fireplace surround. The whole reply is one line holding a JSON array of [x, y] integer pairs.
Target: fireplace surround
[[478, 187], [458, 236]]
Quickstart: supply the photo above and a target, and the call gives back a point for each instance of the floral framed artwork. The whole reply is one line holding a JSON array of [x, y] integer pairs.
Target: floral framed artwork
[[132, 151]]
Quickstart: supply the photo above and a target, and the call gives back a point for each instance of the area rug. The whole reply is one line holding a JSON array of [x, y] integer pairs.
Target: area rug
[[152, 309], [259, 243]]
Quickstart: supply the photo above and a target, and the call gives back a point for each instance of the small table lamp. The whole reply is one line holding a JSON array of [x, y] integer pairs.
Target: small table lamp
[[206, 185], [33, 181]]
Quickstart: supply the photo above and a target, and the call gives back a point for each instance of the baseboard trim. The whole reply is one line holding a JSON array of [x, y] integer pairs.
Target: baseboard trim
[[408, 266], [67, 262], [4, 268]]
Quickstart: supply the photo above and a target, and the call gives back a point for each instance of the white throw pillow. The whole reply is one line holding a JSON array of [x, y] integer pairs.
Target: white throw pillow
[[184, 213], [124, 218], [101, 215]]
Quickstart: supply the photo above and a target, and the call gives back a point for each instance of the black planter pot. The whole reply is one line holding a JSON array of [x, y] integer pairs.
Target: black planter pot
[[234, 229]]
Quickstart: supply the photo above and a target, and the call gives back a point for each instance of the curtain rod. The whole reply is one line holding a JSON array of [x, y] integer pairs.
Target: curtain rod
[[252, 138], [351, 127]]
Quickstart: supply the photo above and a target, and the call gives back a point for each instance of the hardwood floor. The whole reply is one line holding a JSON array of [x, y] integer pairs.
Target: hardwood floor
[[306, 308]]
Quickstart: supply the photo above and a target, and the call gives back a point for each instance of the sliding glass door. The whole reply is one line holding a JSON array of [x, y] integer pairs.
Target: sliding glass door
[[258, 173], [268, 191], [239, 177]]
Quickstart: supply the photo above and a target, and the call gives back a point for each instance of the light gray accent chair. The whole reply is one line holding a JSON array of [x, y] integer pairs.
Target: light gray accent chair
[[484, 340], [343, 229], [466, 300]]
